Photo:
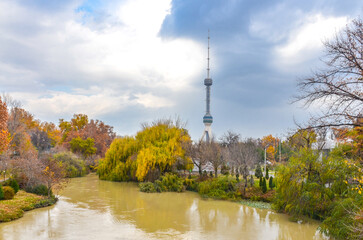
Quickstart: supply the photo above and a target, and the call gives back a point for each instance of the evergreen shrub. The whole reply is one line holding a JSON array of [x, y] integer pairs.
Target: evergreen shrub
[[39, 190], [1, 192], [258, 171], [12, 183], [147, 187], [271, 184], [8, 192], [219, 188], [264, 186]]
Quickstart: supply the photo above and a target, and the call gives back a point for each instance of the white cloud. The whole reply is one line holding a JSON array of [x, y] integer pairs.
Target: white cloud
[[126, 55], [150, 101], [305, 42]]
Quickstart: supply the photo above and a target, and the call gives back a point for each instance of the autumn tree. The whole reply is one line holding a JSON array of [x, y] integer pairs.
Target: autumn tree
[[338, 89], [4, 134], [271, 145], [84, 147], [53, 173], [80, 127], [40, 140], [102, 134], [156, 149]]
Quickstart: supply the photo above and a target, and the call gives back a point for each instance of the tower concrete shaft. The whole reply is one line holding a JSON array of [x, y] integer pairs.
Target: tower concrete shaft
[[208, 119]]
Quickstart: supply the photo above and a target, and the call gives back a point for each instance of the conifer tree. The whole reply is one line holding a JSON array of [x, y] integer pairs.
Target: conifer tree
[[264, 186], [271, 183], [258, 171], [1, 192]]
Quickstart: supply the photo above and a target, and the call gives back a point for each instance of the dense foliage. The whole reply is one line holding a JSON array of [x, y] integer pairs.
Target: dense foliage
[[156, 149], [324, 188], [40, 189], [8, 192], [168, 183], [218, 188], [1, 192], [73, 165], [12, 183]]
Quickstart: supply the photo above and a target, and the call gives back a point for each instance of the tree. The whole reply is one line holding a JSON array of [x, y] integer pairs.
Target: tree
[[40, 140], [338, 88], [4, 134], [270, 143], [194, 151], [156, 149], [102, 134], [244, 155], [53, 173], [213, 153], [266, 174], [80, 126], [271, 183], [263, 185], [84, 147], [258, 171]]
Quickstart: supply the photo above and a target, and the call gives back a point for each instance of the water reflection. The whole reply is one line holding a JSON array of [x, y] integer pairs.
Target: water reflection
[[93, 209]]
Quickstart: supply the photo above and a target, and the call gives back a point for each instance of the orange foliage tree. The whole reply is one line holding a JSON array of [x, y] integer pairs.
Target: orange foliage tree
[[271, 144], [4, 133]]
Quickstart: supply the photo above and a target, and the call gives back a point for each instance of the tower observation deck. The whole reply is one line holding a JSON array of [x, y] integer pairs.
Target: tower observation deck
[[208, 119]]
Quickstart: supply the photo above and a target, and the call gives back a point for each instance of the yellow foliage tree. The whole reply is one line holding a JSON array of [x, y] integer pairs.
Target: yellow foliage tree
[[271, 144], [158, 147]]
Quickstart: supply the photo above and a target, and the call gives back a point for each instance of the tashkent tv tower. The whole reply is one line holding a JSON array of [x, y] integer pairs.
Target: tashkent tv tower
[[208, 119]]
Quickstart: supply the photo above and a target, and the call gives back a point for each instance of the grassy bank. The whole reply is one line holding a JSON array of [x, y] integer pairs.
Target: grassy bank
[[23, 201]]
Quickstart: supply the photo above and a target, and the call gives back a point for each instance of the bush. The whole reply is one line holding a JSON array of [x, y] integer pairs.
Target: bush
[[75, 167], [345, 219], [267, 176], [1, 192], [8, 192], [167, 183], [191, 185], [39, 190], [147, 187], [218, 188], [11, 182], [225, 170]]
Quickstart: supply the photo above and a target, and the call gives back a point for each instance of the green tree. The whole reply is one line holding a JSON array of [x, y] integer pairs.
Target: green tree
[[258, 171], [1, 192], [266, 175], [264, 186], [84, 147], [271, 183]]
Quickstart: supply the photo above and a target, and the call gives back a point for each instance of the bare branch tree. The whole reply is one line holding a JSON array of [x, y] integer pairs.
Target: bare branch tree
[[338, 88]]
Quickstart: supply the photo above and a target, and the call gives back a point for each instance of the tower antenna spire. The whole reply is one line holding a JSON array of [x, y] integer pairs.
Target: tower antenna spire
[[208, 69]]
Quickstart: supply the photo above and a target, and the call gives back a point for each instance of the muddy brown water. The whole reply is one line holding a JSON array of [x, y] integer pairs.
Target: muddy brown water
[[92, 209]]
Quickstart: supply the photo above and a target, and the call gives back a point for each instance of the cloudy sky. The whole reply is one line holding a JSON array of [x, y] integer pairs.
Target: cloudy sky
[[131, 61]]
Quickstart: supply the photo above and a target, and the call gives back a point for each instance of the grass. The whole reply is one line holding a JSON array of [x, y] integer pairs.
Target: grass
[[23, 201]]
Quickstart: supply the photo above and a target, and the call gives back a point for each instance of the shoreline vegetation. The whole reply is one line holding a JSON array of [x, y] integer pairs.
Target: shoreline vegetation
[[15, 208]]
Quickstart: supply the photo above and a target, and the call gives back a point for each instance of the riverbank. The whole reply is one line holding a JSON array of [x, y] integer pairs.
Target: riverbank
[[14, 208]]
